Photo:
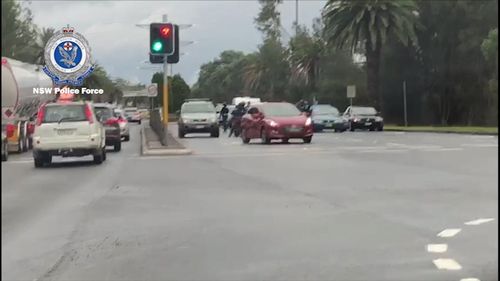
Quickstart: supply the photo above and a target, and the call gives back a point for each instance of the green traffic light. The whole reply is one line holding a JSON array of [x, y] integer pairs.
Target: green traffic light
[[157, 46]]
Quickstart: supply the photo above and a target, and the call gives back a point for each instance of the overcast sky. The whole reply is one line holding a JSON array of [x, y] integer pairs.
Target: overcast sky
[[121, 47]]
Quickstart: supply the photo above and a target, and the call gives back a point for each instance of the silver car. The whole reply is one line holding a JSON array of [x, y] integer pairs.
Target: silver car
[[198, 117], [123, 122]]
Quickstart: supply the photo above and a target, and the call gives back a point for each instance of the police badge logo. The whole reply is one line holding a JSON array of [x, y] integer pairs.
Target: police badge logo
[[67, 58]]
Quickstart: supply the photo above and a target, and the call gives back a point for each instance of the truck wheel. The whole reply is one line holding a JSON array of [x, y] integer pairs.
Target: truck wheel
[[5, 154], [26, 145]]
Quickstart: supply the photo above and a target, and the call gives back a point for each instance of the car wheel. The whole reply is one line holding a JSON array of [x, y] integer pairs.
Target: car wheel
[[118, 146], [285, 140], [244, 138], [215, 134], [380, 129], [139, 122], [20, 145], [372, 129], [351, 128], [307, 139], [38, 162], [264, 137], [126, 138], [98, 158]]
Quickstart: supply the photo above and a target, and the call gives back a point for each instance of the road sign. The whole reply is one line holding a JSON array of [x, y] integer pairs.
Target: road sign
[[153, 90], [351, 91]]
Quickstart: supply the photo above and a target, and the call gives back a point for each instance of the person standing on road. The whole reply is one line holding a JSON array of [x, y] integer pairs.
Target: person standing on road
[[237, 114], [224, 112]]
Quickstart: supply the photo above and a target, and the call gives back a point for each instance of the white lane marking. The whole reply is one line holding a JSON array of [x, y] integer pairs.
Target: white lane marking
[[447, 264], [479, 221], [444, 149], [480, 144], [469, 279], [437, 248], [383, 151], [17, 161], [450, 232]]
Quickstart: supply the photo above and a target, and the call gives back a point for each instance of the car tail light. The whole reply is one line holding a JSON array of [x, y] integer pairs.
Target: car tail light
[[10, 129], [88, 114], [40, 115], [112, 121]]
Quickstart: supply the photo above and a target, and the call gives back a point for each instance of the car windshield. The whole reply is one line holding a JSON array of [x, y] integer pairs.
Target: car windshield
[[104, 112], [364, 111], [64, 113], [325, 110], [280, 110], [198, 107]]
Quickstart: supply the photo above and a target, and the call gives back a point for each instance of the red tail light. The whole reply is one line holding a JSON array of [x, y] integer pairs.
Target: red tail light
[[112, 121], [88, 114], [40, 115], [10, 129]]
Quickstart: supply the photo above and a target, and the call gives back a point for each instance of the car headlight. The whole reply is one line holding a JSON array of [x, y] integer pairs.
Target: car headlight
[[273, 123], [356, 120], [379, 119], [308, 121]]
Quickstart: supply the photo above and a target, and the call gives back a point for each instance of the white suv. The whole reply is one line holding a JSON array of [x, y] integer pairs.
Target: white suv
[[68, 129]]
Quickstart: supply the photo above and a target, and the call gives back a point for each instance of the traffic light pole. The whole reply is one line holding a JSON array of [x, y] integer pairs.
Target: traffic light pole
[[165, 94]]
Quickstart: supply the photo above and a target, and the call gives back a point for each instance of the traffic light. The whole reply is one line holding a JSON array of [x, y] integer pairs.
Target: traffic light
[[161, 38], [174, 58]]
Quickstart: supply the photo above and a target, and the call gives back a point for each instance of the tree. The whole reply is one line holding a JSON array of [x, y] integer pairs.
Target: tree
[[365, 25], [43, 38], [178, 90], [18, 32]]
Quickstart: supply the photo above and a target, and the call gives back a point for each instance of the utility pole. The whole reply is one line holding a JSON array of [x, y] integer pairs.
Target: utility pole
[[404, 103], [296, 17], [165, 90]]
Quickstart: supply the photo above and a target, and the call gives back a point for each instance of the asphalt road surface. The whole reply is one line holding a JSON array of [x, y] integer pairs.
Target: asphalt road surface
[[348, 206]]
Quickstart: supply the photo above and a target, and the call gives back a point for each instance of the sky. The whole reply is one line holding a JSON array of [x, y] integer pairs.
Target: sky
[[121, 47]]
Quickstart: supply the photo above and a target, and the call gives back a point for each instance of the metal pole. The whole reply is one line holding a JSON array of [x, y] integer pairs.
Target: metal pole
[[165, 93], [296, 17], [404, 103], [351, 101]]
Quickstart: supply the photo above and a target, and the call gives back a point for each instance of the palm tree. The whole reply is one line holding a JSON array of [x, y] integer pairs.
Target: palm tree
[[43, 38], [304, 57], [365, 25]]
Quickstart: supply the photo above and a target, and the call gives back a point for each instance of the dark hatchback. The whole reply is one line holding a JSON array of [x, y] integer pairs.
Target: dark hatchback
[[364, 117], [105, 114]]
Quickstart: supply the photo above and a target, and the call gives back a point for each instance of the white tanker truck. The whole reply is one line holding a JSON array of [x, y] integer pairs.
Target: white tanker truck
[[19, 103]]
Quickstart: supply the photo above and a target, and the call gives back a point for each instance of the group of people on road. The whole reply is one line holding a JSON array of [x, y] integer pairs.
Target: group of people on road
[[241, 109]]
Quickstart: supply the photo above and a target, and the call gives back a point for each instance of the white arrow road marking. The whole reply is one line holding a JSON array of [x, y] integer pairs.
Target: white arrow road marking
[[437, 248], [469, 279], [450, 232], [447, 264], [479, 221]]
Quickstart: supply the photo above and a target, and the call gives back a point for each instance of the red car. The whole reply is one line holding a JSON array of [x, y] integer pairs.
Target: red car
[[276, 120]]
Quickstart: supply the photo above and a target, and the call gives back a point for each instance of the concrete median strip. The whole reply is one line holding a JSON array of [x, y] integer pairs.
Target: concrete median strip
[[146, 150]]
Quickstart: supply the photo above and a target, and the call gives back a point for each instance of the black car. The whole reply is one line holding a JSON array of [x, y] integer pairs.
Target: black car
[[105, 114], [364, 117]]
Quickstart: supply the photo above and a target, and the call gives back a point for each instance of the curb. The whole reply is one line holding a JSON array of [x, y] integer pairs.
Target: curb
[[145, 151], [442, 132]]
